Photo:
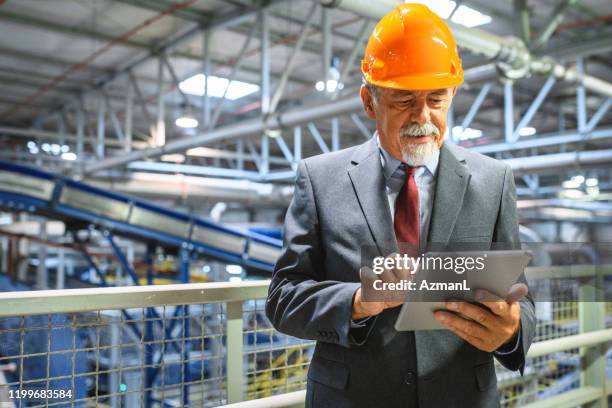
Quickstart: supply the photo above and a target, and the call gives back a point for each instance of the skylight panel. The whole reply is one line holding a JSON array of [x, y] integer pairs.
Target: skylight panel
[[216, 87]]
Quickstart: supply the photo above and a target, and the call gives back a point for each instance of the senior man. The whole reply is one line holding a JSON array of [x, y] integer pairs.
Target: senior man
[[404, 186]]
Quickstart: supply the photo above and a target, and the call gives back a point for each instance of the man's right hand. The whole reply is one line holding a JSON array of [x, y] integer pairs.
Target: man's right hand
[[377, 301], [362, 309]]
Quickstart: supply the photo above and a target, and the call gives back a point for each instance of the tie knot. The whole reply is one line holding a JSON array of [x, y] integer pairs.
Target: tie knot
[[409, 170]]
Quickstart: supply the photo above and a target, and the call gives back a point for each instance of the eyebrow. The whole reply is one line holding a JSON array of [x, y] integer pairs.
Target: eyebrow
[[405, 94]]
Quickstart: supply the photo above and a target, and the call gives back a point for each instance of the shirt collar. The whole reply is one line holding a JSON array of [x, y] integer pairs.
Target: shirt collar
[[391, 164]]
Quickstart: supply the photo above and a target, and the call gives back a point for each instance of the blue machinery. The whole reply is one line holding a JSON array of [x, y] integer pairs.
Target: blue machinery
[[31, 190]]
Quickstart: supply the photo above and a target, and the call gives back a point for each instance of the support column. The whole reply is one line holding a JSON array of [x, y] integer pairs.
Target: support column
[[160, 132], [581, 111], [80, 128], [42, 278], [206, 69], [234, 352], [265, 62], [508, 112], [101, 127], [129, 109]]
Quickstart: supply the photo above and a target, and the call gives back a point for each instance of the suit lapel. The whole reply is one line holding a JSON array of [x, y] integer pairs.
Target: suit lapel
[[368, 182], [451, 183]]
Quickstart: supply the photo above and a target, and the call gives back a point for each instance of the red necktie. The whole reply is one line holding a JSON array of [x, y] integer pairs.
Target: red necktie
[[407, 220]]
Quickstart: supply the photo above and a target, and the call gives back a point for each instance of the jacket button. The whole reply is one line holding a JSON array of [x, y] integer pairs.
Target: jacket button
[[409, 378]]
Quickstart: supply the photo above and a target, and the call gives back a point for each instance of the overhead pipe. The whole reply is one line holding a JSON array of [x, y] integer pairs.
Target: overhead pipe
[[512, 56]]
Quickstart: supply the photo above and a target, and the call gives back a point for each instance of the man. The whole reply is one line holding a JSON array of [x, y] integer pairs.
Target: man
[[404, 186]]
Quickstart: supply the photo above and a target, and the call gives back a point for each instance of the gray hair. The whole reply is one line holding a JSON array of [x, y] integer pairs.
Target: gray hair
[[373, 89]]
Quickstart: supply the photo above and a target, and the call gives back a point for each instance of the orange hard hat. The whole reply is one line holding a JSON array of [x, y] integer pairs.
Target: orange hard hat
[[412, 48]]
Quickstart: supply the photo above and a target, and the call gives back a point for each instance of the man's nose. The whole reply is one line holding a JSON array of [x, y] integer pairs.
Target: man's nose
[[421, 114]]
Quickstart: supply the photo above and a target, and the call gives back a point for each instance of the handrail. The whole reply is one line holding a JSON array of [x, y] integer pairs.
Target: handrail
[[110, 298], [80, 300], [588, 339]]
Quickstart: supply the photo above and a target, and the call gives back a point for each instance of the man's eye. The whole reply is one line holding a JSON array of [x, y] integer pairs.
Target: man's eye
[[436, 100]]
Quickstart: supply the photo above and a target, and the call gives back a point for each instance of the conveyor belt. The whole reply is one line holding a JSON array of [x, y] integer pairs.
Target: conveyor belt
[[28, 189]]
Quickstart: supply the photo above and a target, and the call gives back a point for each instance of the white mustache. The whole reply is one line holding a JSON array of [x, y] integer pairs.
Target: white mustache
[[417, 130]]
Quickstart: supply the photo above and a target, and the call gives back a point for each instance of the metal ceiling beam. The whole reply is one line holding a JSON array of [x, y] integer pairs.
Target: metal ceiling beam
[[196, 16], [543, 140], [531, 164], [34, 134]]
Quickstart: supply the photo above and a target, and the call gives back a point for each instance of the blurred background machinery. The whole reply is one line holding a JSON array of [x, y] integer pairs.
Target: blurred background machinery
[[150, 144]]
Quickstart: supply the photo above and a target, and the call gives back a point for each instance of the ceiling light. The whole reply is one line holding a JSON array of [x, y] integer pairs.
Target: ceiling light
[[272, 132], [527, 131], [331, 85], [320, 86], [69, 156], [460, 133], [591, 182], [46, 147], [186, 122], [233, 269], [578, 179], [570, 184], [216, 87], [65, 148]]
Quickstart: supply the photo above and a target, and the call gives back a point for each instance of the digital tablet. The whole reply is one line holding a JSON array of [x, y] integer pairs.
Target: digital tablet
[[443, 276]]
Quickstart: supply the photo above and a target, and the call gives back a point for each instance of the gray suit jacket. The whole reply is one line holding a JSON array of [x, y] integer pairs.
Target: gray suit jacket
[[339, 207]]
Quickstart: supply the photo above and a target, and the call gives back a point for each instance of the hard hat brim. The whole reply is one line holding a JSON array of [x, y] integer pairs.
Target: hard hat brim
[[418, 83]]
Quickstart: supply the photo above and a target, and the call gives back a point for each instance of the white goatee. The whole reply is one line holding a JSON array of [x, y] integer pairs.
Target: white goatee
[[417, 154]]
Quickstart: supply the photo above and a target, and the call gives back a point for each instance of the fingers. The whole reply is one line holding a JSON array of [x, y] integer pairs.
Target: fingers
[[367, 276], [462, 327], [495, 304], [474, 312]]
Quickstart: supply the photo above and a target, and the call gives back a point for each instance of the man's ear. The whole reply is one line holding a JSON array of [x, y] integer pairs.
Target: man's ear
[[454, 90], [368, 102]]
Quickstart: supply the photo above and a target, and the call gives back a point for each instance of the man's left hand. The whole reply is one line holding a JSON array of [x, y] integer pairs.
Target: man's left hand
[[490, 327]]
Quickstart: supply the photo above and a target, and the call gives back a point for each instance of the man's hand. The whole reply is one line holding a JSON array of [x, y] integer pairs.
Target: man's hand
[[363, 309], [377, 301], [490, 327]]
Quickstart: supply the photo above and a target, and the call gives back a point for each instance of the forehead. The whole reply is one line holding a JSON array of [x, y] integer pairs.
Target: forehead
[[395, 93]]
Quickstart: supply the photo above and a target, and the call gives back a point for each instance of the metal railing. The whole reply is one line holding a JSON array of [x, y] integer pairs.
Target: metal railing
[[210, 344], [173, 345]]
